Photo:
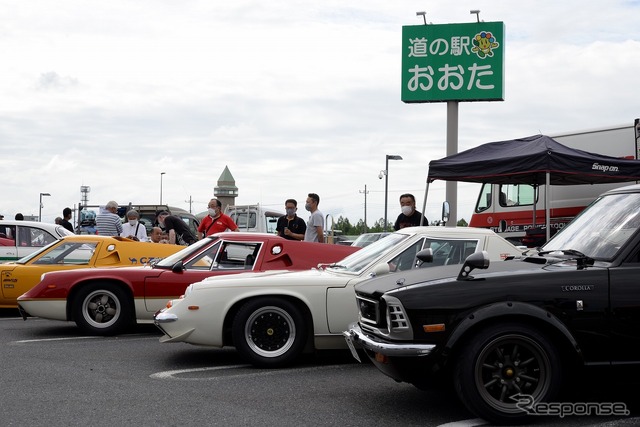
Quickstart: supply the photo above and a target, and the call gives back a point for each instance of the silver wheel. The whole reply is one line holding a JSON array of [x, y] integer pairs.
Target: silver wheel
[[101, 308]]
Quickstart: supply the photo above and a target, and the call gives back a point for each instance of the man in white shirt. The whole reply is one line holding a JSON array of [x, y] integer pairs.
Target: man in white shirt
[[133, 228]]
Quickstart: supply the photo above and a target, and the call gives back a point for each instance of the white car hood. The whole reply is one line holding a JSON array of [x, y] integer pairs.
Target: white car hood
[[278, 278]]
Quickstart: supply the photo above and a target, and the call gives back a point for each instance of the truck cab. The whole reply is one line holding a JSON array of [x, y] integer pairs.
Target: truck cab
[[254, 218]]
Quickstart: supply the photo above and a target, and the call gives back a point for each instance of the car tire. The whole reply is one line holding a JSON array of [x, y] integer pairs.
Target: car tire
[[269, 332], [502, 362], [103, 309]]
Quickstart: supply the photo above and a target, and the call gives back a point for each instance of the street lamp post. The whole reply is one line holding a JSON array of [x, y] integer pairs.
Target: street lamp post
[[161, 173], [385, 172], [40, 210]]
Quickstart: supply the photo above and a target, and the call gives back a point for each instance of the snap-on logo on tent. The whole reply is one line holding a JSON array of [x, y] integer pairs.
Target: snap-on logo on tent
[[605, 168]]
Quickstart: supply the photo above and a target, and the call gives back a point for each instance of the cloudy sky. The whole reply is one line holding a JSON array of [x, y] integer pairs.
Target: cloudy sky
[[293, 96]]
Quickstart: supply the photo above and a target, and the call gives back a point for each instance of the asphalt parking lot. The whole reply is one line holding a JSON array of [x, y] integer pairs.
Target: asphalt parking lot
[[52, 375]]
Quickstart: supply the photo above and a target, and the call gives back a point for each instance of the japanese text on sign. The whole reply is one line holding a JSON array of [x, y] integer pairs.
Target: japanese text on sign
[[453, 62]]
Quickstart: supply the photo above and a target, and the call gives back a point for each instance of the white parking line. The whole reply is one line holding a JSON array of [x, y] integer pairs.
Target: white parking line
[[466, 423], [174, 375], [54, 339], [91, 337]]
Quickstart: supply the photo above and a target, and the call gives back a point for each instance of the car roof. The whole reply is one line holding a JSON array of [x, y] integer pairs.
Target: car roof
[[55, 229], [95, 238], [447, 231], [239, 235], [635, 188], [29, 223]]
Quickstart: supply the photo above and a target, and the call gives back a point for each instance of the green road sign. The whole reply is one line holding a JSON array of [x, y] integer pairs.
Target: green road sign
[[453, 62]]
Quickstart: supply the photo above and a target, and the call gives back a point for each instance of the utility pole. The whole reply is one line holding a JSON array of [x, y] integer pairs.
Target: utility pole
[[190, 201], [365, 207]]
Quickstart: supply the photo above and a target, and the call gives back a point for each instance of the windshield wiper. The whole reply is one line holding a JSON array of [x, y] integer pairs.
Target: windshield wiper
[[334, 265], [581, 258], [571, 252]]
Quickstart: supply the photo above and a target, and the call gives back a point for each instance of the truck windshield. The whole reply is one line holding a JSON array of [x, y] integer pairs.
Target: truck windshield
[[602, 229]]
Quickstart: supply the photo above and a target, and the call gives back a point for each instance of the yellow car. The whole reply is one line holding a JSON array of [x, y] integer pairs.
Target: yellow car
[[76, 252]]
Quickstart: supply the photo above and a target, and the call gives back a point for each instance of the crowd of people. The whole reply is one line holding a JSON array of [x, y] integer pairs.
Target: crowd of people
[[173, 230]]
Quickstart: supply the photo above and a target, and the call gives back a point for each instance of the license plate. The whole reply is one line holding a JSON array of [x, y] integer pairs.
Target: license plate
[[352, 347]]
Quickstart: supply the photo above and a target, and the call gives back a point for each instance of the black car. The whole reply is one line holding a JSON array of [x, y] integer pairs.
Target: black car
[[508, 335]]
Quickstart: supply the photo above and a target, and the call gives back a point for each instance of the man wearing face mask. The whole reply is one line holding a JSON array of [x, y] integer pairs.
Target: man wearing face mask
[[133, 228], [291, 226], [315, 225], [409, 217], [215, 221]]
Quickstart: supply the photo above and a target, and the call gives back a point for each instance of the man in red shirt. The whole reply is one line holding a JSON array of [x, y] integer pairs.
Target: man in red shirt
[[216, 221]]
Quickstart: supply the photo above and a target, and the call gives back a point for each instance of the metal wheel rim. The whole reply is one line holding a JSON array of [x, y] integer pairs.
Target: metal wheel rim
[[511, 365], [101, 309], [270, 331]]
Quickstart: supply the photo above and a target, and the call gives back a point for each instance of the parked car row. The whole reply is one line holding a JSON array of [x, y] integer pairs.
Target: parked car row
[[273, 317], [108, 301], [506, 327]]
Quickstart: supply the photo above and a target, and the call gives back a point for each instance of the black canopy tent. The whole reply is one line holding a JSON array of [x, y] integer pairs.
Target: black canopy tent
[[534, 160]]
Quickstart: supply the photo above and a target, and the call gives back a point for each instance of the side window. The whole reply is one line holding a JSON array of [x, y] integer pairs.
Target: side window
[[271, 224], [484, 200], [517, 195], [449, 252], [68, 253], [205, 259], [406, 260], [234, 255], [8, 232], [34, 237]]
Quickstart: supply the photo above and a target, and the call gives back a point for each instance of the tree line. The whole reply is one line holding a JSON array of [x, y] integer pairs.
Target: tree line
[[347, 229]]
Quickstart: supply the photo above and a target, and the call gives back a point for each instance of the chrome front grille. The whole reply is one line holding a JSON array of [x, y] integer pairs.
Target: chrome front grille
[[397, 318]]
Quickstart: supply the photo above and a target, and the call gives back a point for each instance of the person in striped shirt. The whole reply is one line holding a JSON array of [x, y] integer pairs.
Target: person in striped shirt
[[108, 223]]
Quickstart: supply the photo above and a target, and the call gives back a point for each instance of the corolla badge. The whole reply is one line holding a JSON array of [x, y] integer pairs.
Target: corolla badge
[[577, 288]]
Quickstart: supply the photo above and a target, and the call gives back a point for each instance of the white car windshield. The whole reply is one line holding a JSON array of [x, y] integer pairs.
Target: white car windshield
[[360, 260], [602, 229]]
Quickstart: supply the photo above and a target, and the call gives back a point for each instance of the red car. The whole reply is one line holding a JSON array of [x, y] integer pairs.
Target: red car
[[107, 301]]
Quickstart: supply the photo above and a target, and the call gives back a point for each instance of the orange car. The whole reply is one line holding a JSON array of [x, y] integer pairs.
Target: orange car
[[73, 252]]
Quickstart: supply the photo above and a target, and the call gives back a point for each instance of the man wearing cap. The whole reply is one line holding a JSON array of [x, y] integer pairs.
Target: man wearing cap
[[179, 233], [108, 223]]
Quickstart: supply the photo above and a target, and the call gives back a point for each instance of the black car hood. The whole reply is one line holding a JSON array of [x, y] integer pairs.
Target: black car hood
[[382, 284]]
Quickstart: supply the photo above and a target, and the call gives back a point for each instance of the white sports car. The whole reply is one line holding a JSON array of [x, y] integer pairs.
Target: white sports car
[[272, 317]]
